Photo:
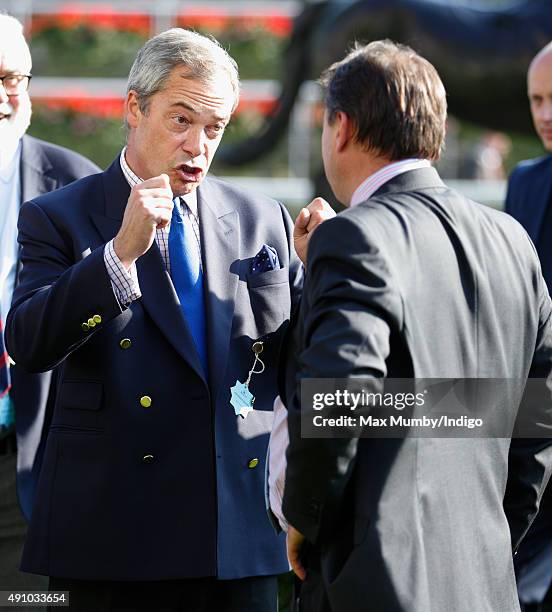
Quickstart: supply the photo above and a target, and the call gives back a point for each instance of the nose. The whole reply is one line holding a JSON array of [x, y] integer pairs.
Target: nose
[[3, 95], [547, 111], [195, 141]]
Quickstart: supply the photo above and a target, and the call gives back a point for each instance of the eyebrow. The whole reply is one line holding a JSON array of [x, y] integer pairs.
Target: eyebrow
[[197, 112], [187, 107]]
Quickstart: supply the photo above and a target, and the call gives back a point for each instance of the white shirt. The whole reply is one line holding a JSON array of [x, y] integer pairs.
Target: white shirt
[[10, 199], [277, 445], [371, 184]]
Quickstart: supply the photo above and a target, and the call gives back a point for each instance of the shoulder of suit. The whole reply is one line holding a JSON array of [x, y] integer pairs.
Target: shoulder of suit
[[388, 211], [63, 161], [77, 192], [538, 164]]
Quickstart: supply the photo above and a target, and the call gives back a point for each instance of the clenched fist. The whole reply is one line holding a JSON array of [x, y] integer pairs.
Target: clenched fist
[[307, 221], [149, 207]]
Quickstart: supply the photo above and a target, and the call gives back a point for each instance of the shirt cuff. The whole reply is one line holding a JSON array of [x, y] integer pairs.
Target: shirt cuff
[[124, 282]]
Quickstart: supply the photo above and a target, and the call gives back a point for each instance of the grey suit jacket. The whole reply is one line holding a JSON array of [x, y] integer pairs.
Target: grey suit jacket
[[419, 282]]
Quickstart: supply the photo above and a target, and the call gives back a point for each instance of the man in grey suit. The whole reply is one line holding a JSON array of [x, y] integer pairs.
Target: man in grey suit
[[28, 167], [413, 281]]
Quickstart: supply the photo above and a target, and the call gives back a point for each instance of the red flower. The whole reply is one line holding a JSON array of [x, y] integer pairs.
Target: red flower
[[107, 108], [206, 19], [112, 106], [93, 16]]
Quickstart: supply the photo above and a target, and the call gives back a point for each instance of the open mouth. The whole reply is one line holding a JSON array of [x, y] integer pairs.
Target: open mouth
[[189, 174]]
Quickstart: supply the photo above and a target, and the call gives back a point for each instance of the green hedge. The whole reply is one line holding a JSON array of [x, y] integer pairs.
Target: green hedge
[[85, 51]]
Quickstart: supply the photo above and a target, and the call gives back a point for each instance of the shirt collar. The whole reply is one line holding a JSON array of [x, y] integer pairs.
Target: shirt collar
[[9, 162], [190, 199], [372, 183]]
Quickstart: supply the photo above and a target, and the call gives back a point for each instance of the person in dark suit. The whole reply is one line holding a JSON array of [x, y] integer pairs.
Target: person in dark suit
[[413, 281], [28, 167], [528, 200], [162, 296]]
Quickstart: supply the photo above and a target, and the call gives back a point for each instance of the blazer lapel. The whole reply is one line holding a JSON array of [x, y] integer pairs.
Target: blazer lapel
[[33, 178], [158, 295], [220, 244], [34, 170], [536, 205], [115, 196]]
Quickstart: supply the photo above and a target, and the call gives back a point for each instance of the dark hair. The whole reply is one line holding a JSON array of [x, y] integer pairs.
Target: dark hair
[[394, 97]]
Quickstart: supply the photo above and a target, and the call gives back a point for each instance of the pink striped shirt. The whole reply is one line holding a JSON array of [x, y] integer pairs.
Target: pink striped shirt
[[370, 185]]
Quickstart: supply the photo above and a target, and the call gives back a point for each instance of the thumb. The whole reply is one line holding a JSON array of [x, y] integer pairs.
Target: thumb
[[166, 182], [301, 223]]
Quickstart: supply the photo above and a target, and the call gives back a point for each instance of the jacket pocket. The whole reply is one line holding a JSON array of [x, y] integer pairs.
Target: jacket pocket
[[80, 395], [70, 429], [78, 407], [272, 277]]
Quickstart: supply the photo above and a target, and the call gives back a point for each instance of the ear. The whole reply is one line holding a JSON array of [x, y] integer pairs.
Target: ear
[[132, 109], [345, 131]]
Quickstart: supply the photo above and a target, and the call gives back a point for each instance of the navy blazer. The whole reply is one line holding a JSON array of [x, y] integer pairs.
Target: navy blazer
[[43, 168], [529, 194], [170, 490]]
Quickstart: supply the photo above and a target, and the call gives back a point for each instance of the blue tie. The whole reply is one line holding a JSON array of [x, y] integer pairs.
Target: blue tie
[[187, 278]]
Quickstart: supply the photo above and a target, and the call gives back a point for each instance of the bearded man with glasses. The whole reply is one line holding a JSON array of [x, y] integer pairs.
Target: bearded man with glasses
[[28, 167]]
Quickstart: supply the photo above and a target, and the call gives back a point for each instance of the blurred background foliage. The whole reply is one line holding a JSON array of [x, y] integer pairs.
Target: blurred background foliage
[[76, 49], [60, 51], [72, 44]]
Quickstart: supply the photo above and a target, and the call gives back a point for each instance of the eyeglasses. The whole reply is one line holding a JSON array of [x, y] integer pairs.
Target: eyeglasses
[[15, 84]]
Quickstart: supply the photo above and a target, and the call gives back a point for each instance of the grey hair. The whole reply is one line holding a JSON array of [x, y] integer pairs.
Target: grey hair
[[203, 57]]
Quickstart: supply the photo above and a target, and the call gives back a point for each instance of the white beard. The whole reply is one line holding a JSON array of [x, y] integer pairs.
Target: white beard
[[12, 128]]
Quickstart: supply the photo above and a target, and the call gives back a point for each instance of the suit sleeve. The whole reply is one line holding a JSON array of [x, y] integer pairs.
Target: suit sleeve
[[530, 456], [295, 265], [349, 308], [57, 293]]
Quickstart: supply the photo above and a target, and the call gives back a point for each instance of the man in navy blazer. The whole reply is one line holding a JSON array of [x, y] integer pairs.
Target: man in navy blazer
[[151, 491], [529, 199], [29, 167]]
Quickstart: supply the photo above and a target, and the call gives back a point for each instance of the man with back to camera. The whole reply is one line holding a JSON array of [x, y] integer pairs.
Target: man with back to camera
[[413, 281], [162, 295], [528, 200], [28, 168]]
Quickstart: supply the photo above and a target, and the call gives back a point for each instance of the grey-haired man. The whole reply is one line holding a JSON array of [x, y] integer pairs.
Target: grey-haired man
[[28, 167], [163, 295]]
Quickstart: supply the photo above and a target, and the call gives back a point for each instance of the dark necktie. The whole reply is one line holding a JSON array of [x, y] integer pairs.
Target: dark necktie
[[187, 278]]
